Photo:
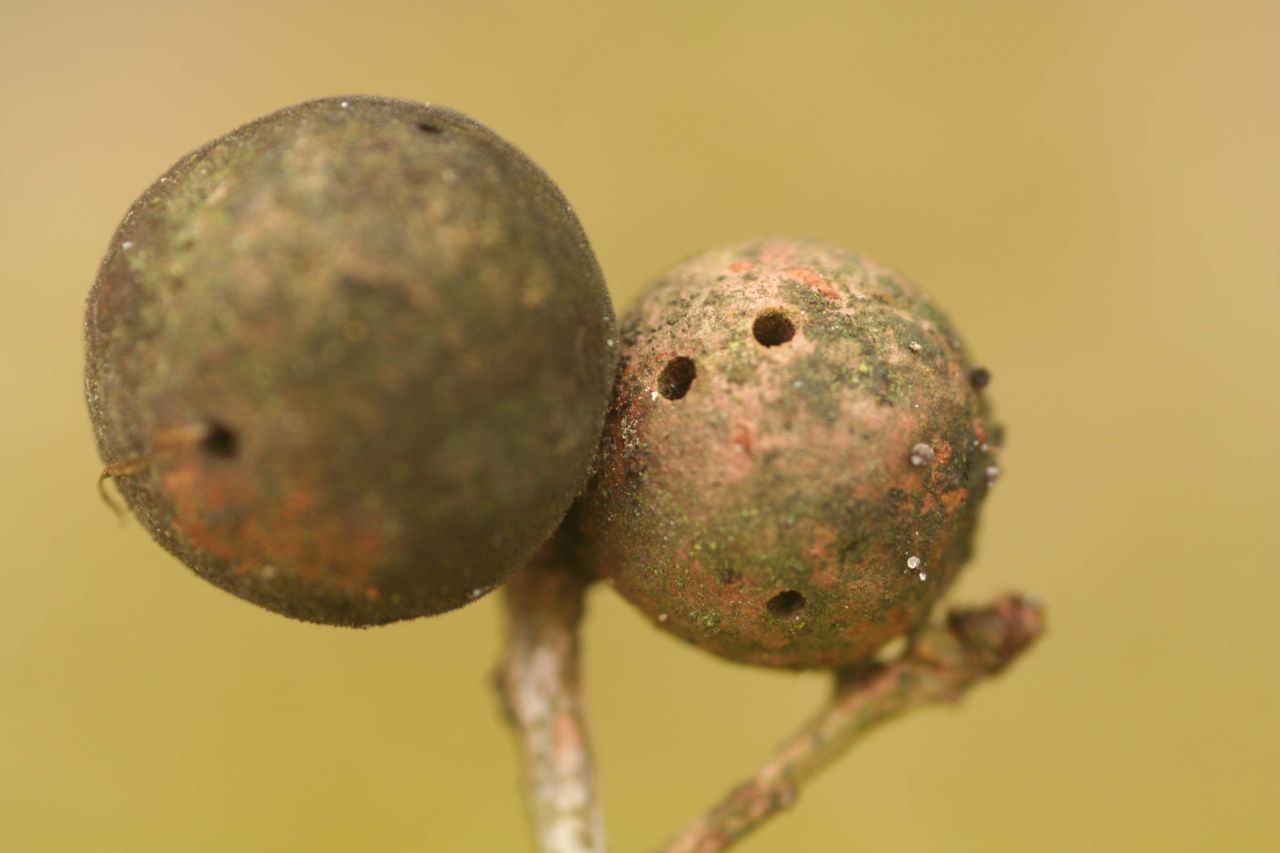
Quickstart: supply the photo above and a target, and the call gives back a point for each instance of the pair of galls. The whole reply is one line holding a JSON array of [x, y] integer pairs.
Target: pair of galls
[[355, 360]]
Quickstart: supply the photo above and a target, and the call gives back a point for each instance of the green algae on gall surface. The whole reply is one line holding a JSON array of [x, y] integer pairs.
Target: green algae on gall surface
[[811, 486], [355, 357]]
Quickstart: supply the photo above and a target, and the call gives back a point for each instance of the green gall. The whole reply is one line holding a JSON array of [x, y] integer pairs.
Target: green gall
[[350, 361]]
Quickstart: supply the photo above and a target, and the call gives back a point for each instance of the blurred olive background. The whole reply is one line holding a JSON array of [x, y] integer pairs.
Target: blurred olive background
[[1091, 189]]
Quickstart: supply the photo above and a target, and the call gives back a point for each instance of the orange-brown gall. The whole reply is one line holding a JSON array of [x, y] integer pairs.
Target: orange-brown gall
[[351, 360], [791, 470]]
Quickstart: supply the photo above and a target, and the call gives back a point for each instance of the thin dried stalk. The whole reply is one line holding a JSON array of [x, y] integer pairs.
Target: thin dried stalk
[[942, 663], [541, 692]]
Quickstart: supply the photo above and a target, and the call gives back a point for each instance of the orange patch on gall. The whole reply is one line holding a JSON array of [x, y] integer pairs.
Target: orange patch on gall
[[819, 554], [817, 282], [980, 430], [941, 452], [298, 502], [741, 436], [220, 511], [955, 499]]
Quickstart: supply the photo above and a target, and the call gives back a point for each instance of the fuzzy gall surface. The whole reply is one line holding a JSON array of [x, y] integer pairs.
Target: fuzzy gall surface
[[761, 490], [353, 359]]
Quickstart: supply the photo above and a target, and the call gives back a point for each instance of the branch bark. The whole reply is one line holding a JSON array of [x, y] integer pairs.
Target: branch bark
[[540, 688], [942, 663]]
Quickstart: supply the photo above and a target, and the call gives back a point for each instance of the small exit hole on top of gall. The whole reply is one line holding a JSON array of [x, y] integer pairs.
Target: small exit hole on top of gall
[[220, 441], [773, 328]]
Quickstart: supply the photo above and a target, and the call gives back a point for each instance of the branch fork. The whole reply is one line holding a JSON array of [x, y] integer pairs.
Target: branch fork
[[541, 690]]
